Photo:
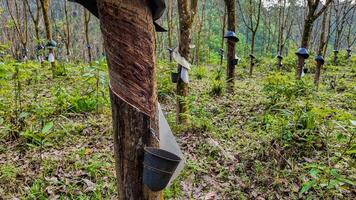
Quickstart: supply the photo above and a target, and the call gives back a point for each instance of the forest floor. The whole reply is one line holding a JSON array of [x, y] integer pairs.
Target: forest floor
[[272, 138]]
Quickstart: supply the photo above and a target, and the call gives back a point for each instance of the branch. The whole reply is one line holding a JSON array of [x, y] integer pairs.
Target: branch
[[243, 16], [325, 6]]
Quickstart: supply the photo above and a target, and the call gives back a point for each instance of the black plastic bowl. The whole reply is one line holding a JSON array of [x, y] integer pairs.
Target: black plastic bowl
[[155, 179], [174, 77], [161, 159], [159, 166]]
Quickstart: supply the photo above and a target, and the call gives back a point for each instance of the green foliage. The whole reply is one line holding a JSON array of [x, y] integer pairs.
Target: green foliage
[[279, 88], [38, 138], [217, 87], [321, 177], [8, 173], [200, 72]]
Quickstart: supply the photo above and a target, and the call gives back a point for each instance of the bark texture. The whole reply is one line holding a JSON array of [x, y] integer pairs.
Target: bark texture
[[317, 73], [128, 32], [231, 20], [300, 67], [47, 22], [187, 11]]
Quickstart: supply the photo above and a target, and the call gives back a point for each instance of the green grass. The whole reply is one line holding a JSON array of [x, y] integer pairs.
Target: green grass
[[273, 135]]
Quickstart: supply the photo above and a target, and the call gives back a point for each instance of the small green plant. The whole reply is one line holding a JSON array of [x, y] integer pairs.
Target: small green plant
[[217, 87], [279, 88], [321, 177], [8, 173], [199, 72]]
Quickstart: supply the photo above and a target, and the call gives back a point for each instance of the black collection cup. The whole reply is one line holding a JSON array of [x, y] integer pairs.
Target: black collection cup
[[159, 166], [174, 77]]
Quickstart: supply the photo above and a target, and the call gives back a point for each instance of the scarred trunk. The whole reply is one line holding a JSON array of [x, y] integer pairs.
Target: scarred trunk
[[230, 7], [317, 73], [300, 67], [129, 41]]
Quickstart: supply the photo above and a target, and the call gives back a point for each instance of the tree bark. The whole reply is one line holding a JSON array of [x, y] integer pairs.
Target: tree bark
[[300, 67], [187, 12], [86, 31], [129, 41], [170, 23], [45, 6], [252, 60], [67, 30], [231, 20], [200, 28]]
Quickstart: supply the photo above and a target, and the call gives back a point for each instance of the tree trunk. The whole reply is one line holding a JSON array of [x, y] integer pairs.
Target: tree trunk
[[308, 25], [170, 23], [317, 74], [300, 67], [252, 60], [223, 29], [182, 87], [186, 17], [201, 24], [335, 57], [231, 20], [45, 5], [86, 30], [67, 30], [129, 41]]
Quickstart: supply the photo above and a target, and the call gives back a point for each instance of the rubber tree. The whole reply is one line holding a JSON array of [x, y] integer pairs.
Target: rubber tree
[[20, 23], [129, 40], [285, 23], [130, 47], [35, 16], [67, 30], [231, 21], [342, 13], [200, 29], [312, 14], [187, 10], [170, 22], [252, 22], [87, 18], [322, 42], [47, 22]]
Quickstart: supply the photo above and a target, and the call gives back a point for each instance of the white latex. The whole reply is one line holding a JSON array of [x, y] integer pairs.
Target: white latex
[[51, 57], [168, 142], [184, 75]]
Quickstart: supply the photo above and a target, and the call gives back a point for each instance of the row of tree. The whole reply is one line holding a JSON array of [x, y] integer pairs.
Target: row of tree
[[264, 28]]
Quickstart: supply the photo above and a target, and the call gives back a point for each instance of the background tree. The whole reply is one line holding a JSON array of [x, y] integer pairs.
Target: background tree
[[312, 14], [252, 22], [86, 33], [19, 18], [322, 42], [48, 27], [187, 11], [231, 21]]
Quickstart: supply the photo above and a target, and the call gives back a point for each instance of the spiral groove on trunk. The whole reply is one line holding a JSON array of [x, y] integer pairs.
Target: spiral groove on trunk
[[128, 33]]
